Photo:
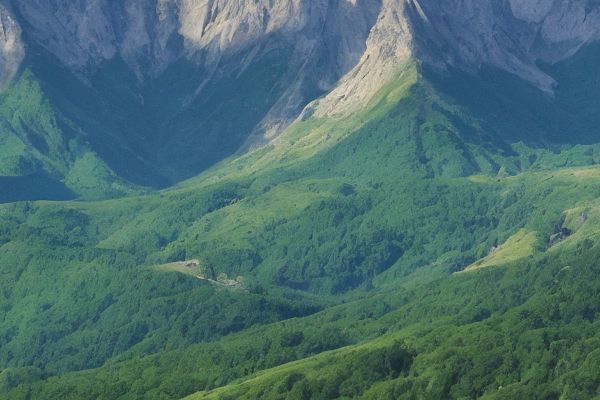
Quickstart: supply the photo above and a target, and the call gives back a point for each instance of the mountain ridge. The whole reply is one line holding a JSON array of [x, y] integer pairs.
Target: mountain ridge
[[165, 74]]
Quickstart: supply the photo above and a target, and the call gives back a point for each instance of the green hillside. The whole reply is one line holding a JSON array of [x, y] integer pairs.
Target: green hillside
[[413, 250], [528, 327], [117, 134]]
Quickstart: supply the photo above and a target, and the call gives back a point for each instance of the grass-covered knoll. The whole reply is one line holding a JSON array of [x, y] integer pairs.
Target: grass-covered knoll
[[518, 246], [347, 372]]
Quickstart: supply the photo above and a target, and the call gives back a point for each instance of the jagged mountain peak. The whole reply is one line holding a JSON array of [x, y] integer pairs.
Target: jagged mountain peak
[[178, 65], [366, 35], [81, 33]]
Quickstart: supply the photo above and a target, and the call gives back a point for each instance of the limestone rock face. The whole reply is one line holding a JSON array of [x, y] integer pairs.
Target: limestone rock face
[[511, 35], [359, 44], [12, 49], [388, 46], [85, 32], [326, 38]]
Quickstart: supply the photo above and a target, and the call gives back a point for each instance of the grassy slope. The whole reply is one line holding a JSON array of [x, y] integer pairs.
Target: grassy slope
[[103, 138], [543, 348], [541, 345], [39, 144], [449, 314], [444, 321], [518, 246], [378, 216]]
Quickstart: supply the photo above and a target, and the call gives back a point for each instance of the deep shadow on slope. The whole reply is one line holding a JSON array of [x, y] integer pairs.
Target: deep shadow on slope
[[32, 187], [159, 133], [156, 130], [512, 110]]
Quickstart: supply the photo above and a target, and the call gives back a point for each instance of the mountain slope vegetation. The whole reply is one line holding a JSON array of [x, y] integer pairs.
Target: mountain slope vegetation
[[298, 199], [349, 237]]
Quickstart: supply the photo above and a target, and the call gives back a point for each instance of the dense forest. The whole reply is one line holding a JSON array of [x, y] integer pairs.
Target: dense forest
[[411, 257], [273, 199]]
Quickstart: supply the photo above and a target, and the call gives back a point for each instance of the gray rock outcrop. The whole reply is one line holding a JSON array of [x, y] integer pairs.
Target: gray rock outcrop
[[12, 49], [361, 43]]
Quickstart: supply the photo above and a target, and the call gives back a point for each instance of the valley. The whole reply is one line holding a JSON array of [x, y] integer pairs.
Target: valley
[[291, 199]]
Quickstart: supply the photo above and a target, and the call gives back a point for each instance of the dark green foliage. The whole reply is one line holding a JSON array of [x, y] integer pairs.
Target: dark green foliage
[[526, 349], [349, 377], [346, 259], [32, 187]]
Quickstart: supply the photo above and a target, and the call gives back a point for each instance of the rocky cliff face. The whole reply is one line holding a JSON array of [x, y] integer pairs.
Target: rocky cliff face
[[365, 39], [150, 35], [336, 53], [511, 35], [12, 50]]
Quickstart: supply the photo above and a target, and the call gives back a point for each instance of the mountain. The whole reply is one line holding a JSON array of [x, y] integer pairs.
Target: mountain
[[150, 93], [159, 91], [303, 199]]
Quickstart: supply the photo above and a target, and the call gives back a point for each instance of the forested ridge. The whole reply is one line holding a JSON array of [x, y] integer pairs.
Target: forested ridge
[[406, 252]]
